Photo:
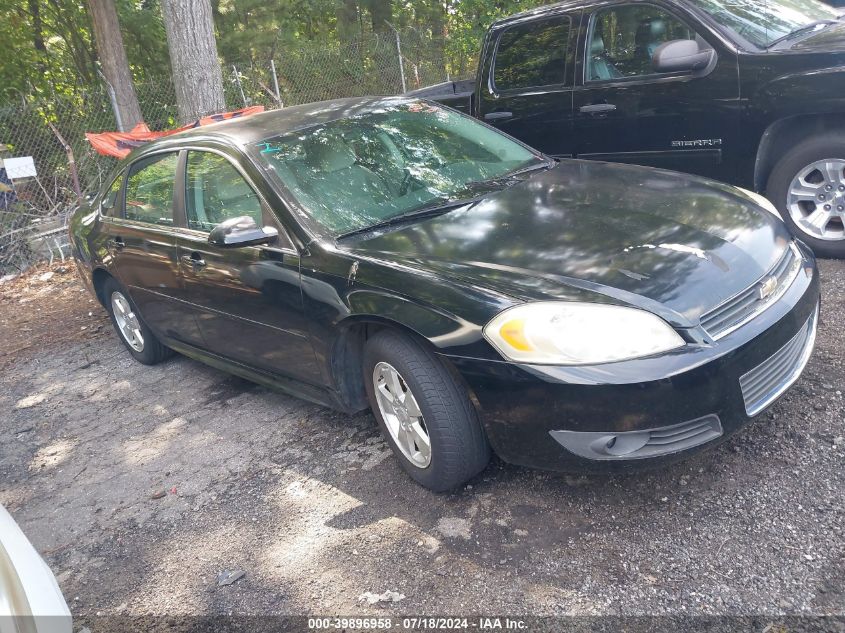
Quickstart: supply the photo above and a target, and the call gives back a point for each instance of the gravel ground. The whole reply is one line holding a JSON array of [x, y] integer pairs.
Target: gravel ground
[[139, 485]]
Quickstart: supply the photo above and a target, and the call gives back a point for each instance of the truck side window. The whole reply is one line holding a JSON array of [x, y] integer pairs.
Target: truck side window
[[532, 54], [624, 38]]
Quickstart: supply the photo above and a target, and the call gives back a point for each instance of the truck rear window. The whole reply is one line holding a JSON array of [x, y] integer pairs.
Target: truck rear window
[[532, 54]]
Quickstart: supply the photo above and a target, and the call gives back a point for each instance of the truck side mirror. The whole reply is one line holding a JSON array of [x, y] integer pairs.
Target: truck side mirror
[[680, 55]]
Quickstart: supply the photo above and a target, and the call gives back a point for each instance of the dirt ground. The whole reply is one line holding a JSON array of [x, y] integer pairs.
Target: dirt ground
[[140, 485]]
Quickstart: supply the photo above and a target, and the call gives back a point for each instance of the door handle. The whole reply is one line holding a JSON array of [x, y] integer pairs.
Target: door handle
[[497, 116], [598, 108], [194, 259], [117, 243]]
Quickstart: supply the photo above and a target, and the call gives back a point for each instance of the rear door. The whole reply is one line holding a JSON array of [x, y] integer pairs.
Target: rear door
[[625, 111], [142, 243], [247, 299], [528, 87]]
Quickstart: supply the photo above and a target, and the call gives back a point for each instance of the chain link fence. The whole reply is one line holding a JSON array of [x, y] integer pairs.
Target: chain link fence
[[52, 129]]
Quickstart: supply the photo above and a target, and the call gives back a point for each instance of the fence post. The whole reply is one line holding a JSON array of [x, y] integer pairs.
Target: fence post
[[276, 84], [113, 99], [399, 53], [238, 81]]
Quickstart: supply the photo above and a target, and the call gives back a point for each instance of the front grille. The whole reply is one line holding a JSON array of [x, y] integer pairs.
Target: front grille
[[741, 308], [763, 384]]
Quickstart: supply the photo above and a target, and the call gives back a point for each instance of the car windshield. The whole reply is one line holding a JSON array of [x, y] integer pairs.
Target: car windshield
[[364, 170], [764, 22]]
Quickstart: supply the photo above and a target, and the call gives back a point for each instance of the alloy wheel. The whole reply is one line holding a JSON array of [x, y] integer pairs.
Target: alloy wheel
[[127, 322], [401, 414], [816, 199]]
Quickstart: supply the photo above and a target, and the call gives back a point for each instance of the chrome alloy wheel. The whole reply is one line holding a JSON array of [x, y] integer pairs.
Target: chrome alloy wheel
[[402, 415], [816, 199], [127, 322]]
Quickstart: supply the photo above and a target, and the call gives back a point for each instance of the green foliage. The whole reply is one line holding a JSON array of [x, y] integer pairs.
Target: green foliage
[[144, 38], [54, 54]]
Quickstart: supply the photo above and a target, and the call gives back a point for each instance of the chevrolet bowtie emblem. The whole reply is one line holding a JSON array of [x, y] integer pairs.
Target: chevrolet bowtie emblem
[[767, 287]]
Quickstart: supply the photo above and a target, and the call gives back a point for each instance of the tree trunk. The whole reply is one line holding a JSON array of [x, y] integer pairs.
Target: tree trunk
[[37, 27], [197, 77], [380, 13], [113, 60], [38, 35], [438, 35], [347, 19]]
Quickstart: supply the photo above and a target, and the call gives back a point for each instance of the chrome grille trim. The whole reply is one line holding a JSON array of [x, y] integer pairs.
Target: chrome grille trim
[[735, 312], [765, 383]]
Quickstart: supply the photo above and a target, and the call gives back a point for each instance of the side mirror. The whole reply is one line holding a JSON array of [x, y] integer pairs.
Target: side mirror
[[242, 231], [680, 55]]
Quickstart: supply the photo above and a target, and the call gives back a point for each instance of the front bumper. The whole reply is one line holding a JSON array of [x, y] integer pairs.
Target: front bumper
[[618, 415]]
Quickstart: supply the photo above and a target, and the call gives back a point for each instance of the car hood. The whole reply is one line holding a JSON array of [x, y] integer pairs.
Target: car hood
[[828, 40], [667, 242]]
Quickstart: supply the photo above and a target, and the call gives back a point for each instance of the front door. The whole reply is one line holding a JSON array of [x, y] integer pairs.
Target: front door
[[247, 299], [529, 91], [142, 244], [625, 111]]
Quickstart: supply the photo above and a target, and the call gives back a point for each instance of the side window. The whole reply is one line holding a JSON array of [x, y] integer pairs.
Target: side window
[[109, 204], [532, 54], [624, 38], [216, 191], [149, 189]]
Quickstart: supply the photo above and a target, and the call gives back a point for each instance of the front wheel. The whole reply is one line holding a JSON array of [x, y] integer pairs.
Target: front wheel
[[424, 412], [808, 187]]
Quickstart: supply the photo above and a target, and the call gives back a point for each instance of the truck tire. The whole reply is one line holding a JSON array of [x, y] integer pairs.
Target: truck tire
[[807, 186], [424, 413]]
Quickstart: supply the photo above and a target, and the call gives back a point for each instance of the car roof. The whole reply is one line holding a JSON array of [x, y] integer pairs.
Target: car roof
[[242, 131]]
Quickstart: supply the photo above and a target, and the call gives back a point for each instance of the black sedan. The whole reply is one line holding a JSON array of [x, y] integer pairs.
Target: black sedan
[[395, 254]]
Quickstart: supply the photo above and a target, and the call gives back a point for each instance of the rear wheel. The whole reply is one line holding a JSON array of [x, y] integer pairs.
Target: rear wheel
[[808, 187], [130, 328], [424, 412]]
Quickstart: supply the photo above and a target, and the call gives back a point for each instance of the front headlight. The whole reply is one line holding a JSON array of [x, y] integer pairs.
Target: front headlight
[[762, 201], [561, 333]]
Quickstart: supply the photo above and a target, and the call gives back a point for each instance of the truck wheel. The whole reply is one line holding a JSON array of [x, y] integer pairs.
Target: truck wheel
[[130, 328], [424, 413], [808, 187]]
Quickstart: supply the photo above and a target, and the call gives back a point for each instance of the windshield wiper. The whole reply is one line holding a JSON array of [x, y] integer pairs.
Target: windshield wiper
[[437, 207], [509, 176], [546, 164], [812, 26]]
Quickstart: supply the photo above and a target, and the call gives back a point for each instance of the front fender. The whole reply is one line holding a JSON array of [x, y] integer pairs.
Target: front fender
[[446, 332], [801, 92]]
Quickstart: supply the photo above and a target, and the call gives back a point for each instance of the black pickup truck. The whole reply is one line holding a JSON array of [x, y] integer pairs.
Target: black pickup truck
[[751, 92]]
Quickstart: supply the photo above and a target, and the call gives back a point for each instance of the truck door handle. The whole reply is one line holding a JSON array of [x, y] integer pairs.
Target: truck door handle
[[497, 116], [194, 259], [117, 243], [598, 108]]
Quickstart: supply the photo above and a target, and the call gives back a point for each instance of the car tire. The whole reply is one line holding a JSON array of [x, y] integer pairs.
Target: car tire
[[130, 327], [803, 164], [457, 446]]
